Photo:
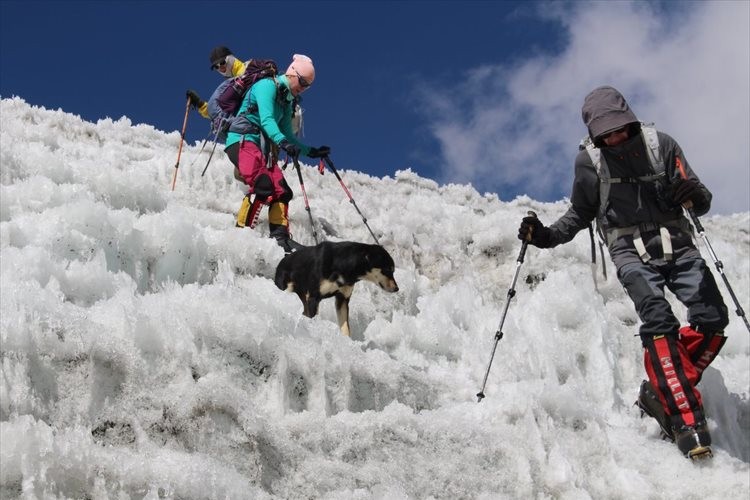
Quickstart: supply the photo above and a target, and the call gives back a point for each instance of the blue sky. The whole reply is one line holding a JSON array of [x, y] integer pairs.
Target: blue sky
[[487, 93]]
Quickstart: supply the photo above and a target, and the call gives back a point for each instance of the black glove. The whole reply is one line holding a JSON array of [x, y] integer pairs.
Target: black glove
[[536, 233], [684, 190], [195, 100], [319, 152], [291, 149]]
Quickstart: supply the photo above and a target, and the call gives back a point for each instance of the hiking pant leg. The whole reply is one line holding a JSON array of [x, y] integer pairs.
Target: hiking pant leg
[[233, 152], [269, 183], [278, 213], [243, 215], [667, 362], [250, 162], [694, 285], [645, 286]]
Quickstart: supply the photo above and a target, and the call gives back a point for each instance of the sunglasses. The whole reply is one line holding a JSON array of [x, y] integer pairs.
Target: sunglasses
[[216, 65], [303, 82], [617, 131]]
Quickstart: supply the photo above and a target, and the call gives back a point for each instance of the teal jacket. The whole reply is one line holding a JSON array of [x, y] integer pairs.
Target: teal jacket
[[273, 104]]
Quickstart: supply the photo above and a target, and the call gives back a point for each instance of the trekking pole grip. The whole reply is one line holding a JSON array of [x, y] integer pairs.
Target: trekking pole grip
[[525, 243], [696, 220], [328, 161], [688, 205]]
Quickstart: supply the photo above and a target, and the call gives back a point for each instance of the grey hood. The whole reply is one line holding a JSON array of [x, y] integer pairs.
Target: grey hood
[[605, 110]]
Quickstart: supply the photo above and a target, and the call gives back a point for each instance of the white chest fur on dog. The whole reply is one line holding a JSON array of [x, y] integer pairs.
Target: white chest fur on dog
[[328, 287]]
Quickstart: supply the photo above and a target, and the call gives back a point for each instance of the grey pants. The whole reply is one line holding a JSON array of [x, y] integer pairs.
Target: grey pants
[[688, 277]]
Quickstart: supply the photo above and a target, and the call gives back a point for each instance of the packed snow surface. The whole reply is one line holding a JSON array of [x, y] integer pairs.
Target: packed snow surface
[[146, 352]]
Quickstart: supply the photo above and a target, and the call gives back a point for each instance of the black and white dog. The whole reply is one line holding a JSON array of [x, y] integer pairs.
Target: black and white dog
[[332, 269]]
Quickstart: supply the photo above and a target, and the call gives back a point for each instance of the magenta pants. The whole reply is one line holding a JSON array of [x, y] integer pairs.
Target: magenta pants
[[262, 180]]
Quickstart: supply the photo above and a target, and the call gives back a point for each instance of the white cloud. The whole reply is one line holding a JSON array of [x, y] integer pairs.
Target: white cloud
[[514, 127]]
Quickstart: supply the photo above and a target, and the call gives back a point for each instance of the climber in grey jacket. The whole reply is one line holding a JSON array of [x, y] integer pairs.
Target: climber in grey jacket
[[635, 181]]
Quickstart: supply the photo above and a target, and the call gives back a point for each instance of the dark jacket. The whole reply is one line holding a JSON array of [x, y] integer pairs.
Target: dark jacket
[[629, 204]]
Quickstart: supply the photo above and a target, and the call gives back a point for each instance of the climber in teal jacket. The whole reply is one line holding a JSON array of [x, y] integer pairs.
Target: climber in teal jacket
[[269, 106]]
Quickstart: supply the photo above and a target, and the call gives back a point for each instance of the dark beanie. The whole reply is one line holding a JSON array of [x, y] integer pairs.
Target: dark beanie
[[217, 54]]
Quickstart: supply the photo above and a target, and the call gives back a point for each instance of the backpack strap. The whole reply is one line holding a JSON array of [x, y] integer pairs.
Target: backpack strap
[[602, 172], [651, 140]]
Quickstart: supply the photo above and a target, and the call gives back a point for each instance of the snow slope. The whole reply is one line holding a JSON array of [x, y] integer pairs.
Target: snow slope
[[146, 352]]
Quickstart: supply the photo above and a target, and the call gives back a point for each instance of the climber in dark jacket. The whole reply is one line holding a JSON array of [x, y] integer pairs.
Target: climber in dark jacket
[[640, 211]]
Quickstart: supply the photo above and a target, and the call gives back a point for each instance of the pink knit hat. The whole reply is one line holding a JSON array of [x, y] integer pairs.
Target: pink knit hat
[[303, 65]]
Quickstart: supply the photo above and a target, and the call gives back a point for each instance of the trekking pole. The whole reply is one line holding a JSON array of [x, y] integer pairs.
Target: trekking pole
[[304, 195], [593, 257], [511, 294], [594, 241], [702, 233], [182, 139], [200, 152], [351, 199], [216, 136]]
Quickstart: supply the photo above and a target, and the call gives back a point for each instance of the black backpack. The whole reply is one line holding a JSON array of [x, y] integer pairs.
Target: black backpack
[[227, 98]]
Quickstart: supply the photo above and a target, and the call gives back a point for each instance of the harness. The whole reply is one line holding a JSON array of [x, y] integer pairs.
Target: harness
[[651, 140]]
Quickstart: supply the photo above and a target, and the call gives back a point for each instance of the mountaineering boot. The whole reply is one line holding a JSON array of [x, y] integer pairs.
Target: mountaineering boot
[[694, 441], [649, 404], [281, 234], [288, 244]]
